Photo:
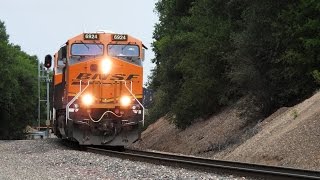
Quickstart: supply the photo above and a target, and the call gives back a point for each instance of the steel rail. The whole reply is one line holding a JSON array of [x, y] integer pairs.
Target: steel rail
[[217, 166]]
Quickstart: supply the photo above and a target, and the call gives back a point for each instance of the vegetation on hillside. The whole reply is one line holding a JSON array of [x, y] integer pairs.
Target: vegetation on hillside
[[18, 87], [211, 53]]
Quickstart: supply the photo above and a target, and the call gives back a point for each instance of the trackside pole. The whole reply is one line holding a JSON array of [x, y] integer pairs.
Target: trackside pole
[[43, 75], [39, 98], [48, 103]]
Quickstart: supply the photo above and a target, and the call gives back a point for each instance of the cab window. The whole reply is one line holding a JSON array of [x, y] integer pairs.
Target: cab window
[[86, 49], [126, 52], [60, 66], [123, 50]]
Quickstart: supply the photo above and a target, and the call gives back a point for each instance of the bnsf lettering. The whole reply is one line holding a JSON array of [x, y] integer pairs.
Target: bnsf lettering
[[100, 76], [118, 77], [115, 77], [131, 76], [83, 76]]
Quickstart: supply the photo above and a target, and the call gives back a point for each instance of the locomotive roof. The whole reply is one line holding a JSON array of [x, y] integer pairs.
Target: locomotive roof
[[104, 36]]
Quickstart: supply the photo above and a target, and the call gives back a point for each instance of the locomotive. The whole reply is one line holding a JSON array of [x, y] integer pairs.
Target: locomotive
[[98, 89]]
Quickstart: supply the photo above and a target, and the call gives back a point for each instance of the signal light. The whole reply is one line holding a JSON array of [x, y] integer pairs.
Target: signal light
[[47, 61]]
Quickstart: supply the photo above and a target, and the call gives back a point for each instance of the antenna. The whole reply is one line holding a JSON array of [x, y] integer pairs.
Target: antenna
[[84, 30], [104, 31]]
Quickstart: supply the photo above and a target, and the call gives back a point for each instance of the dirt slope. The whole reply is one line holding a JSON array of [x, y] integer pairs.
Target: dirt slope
[[289, 137], [204, 138]]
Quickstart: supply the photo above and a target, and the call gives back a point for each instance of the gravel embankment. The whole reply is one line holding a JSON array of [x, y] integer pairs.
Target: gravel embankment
[[288, 138], [49, 159]]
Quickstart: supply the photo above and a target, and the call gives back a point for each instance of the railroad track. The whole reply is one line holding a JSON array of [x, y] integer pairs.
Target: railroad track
[[209, 165]]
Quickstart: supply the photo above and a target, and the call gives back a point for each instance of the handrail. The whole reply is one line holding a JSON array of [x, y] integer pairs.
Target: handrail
[[74, 99], [130, 91]]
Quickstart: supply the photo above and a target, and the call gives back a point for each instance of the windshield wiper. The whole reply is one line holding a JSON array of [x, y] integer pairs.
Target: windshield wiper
[[111, 45], [97, 45], [125, 46], [85, 44]]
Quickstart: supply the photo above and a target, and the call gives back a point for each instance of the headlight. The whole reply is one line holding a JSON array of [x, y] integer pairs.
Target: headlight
[[106, 66], [87, 99], [125, 101]]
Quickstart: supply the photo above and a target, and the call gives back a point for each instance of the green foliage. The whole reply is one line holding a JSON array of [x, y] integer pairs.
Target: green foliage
[[210, 53], [316, 76], [18, 88], [159, 109], [295, 113], [183, 75], [298, 43]]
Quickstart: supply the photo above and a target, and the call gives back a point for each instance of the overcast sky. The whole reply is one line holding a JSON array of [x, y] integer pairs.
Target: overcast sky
[[40, 27]]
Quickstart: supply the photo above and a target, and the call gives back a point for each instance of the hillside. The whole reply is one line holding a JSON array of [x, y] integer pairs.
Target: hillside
[[289, 137]]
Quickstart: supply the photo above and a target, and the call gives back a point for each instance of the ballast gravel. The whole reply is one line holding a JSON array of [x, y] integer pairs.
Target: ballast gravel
[[50, 159]]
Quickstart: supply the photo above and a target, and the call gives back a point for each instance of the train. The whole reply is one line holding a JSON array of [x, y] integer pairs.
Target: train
[[97, 89]]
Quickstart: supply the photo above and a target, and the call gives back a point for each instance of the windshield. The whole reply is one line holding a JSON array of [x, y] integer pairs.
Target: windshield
[[124, 50], [86, 49]]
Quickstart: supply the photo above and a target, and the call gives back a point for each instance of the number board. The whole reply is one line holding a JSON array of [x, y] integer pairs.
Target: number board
[[119, 37], [91, 36]]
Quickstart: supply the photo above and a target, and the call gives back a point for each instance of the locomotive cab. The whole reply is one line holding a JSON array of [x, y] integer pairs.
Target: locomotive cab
[[97, 89]]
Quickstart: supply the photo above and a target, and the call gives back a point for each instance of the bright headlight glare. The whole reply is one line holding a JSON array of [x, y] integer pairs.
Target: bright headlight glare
[[87, 99], [106, 66], [125, 101]]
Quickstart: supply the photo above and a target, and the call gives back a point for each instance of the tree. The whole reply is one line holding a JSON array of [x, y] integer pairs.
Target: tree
[[211, 53], [18, 88]]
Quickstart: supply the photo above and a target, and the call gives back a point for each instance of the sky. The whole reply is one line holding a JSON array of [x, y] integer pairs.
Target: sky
[[40, 27]]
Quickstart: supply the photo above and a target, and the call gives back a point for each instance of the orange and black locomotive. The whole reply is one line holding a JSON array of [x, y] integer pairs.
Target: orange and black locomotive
[[98, 89]]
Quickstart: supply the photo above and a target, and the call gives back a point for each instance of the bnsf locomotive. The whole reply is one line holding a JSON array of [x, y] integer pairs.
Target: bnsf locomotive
[[97, 89]]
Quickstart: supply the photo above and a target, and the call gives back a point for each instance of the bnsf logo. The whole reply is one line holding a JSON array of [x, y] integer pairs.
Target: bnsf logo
[[101, 77]]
